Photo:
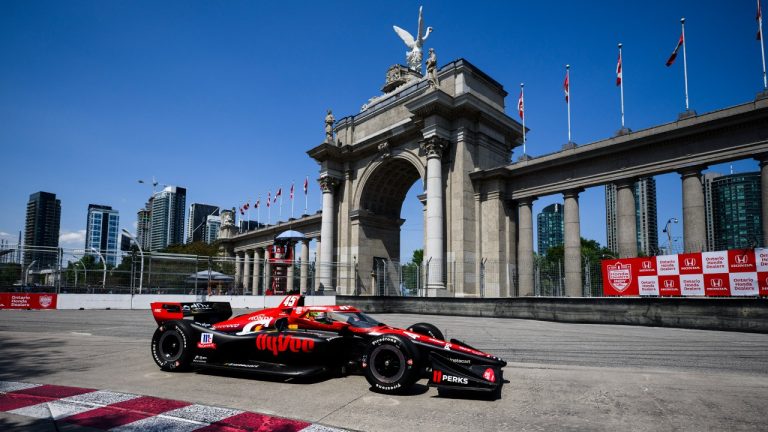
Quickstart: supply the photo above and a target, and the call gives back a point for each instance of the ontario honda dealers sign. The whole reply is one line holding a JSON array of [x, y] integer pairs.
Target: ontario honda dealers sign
[[739, 272], [27, 301]]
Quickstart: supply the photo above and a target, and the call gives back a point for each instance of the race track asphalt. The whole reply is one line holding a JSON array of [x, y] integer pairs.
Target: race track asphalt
[[562, 376]]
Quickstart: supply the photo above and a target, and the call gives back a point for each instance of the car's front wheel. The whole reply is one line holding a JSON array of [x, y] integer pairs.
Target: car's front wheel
[[391, 364], [427, 329], [173, 346]]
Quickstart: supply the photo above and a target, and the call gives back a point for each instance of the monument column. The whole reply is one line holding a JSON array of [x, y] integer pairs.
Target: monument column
[[247, 255], [238, 269], [571, 224], [525, 247], [325, 271], [626, 219], [694, 221], [258, 257], [434, 147], [267, 270], [304, 270], [764, 194]]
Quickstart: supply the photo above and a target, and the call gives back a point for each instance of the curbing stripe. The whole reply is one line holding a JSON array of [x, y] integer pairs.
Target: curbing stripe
[[123, 412]]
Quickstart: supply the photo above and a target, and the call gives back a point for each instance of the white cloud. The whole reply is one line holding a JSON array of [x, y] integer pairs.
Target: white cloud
[[4, 234], [72, 238]]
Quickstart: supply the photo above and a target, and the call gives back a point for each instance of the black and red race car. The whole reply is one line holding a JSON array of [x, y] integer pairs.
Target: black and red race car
[[297, 341]]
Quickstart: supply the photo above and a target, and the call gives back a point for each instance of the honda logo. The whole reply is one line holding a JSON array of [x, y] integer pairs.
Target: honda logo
[[690, 262], [669, 283], [716, 283], [741, 259], [647, 265]]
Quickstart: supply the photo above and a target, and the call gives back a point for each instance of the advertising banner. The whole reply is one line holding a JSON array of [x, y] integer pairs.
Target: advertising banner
[[27, 301], [737, 273]]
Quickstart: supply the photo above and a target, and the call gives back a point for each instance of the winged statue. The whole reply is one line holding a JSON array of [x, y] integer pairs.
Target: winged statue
[[414, 56]]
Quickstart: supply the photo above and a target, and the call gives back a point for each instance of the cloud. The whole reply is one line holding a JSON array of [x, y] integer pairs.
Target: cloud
[[4, 234], [72, 238]]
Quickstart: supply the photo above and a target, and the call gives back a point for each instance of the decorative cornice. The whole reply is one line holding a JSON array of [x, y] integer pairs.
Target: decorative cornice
[[328, 184]]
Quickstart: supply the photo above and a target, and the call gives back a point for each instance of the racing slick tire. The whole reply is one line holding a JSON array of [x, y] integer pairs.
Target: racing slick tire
[[427, 329], [391, 364], [173, 346]]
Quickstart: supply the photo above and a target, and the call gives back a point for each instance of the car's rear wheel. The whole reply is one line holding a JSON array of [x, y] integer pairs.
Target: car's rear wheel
[[391, 364], [173, 346], [427, 329]]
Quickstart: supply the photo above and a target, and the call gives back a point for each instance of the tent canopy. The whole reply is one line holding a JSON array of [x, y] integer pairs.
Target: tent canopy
[[214, 276], [290, 235]]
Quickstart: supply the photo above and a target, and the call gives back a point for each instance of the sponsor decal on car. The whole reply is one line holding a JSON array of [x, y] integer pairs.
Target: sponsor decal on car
[[489, 375], [460, 361], [206, 341], [439, 377], [282, 343]]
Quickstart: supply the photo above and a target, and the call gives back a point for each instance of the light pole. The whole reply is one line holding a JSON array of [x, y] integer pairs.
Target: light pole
[[668, 231], [141, 252], [104, 276], [26, 272]]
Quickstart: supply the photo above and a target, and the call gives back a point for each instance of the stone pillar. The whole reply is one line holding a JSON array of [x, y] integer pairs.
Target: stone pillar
[[764, 195], [238, 269], [267, 272], [258, 261], [434, 257], [626, 219], [694, 222], [525, 247], [572, 234], [304, 271], [289, 270], [325, 271], [248, 257]]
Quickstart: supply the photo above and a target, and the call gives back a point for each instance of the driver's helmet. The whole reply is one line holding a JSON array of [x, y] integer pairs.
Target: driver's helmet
[[321, 316]]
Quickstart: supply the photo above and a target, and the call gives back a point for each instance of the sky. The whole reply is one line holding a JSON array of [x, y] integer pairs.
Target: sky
[[226, 97]]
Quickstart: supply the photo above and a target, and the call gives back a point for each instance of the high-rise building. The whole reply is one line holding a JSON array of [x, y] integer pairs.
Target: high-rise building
[[212, 226], [646, 222], [733, 207], [550, 227], [144, 226], [197, 223], [41, 229], [709, 209], [167, 218], [101, 231]]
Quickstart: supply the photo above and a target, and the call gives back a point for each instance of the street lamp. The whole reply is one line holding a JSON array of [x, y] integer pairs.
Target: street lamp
[[141, 252], [104, 276], [26, 272], [668, 231]]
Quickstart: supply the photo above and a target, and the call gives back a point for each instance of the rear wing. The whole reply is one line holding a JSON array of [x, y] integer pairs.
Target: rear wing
[[202, 312]]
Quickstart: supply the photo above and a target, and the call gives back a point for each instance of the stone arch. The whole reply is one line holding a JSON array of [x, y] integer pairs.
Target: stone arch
[[383, 177]]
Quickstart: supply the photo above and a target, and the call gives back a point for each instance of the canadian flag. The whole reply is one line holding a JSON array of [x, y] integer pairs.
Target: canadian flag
[[567, 85], [618, 71], [674, 53], [269, 198], [306, 185], [759, 19], [291, 190], [278, 193], [521, 106], [256, 204]]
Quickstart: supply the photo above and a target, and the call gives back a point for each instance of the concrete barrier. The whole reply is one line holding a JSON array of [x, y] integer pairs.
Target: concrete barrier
[[142, 301], [736, 314]]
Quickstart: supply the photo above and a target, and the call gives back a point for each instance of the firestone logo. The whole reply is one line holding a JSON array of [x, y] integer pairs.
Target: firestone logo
[[620, 276]]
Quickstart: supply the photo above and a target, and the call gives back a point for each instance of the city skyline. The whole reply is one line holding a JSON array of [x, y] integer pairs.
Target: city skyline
[[218, 84]]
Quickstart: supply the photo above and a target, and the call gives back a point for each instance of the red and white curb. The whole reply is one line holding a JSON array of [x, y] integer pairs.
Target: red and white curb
[[123, 412]]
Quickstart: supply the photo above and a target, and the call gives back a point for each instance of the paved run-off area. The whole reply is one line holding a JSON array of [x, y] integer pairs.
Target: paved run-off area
[[562, 376]]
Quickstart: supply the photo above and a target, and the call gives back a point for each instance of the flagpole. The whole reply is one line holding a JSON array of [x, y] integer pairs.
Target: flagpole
[[568, 102], [522, 97], [292, 185], [258, 211], [248, 218], [281, 202], [621, 86], [762, 42], [685, 64]]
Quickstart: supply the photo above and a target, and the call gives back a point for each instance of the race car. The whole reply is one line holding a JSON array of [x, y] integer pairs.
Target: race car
[[297, 341]]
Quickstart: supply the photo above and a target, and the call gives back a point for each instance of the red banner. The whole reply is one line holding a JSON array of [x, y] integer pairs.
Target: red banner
[[737, 272], [27, 301]]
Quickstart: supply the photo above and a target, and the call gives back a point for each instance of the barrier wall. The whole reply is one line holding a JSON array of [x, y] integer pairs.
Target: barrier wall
[[139, 301], [732, 273], [734, 314]]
